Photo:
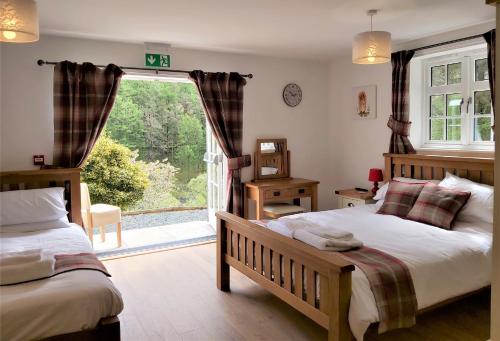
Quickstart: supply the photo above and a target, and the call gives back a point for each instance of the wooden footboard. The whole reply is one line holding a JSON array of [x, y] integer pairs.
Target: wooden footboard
[[316, 283]]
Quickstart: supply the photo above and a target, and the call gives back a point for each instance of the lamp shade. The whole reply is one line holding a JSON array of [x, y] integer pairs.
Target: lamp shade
[[375, 175], [373, 47], [18, 21]]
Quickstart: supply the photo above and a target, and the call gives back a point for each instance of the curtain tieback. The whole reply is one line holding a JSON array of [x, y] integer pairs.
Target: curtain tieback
[[239, 162], [399, 127]]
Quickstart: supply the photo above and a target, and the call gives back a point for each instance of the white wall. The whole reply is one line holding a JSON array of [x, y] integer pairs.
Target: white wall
[[27, 114], [357, 145]]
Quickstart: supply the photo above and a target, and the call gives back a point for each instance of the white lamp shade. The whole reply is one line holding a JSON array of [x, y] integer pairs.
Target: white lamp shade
[[18, 21], [372, 47]]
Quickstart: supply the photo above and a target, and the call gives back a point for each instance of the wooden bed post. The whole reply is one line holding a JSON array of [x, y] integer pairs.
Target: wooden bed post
[[76, 210], [340, 289], [222, 266]]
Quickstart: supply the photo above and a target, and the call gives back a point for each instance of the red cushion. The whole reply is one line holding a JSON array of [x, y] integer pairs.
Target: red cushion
[[438, 206], [400, 198]]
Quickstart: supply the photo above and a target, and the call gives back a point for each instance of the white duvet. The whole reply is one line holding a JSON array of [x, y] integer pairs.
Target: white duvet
[[66, 303], [443, 264]]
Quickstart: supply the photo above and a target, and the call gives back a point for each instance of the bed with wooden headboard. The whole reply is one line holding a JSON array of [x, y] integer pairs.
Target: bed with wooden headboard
[[250, 249], [108, 328]]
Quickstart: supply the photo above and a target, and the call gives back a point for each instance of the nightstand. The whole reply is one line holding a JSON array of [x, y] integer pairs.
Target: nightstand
[[351, 198]]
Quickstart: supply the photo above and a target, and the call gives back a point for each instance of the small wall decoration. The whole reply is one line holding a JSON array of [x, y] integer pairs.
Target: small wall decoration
[[365, 102]]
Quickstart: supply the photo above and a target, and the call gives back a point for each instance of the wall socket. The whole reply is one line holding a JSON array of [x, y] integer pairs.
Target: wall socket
[[39, 160]]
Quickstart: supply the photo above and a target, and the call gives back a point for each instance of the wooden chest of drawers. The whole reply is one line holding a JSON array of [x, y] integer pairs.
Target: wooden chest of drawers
[[280, 191]]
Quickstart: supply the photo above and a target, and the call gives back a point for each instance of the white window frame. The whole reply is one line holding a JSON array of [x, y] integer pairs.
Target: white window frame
[[467, 88]]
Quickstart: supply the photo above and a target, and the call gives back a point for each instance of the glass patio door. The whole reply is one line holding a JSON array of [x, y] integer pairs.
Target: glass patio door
[[215, 183]]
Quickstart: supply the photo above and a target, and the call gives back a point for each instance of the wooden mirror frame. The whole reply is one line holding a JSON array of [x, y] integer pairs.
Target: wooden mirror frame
[[259, 159]]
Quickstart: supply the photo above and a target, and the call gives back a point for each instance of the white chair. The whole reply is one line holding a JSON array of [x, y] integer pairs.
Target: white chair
[[100, 215]]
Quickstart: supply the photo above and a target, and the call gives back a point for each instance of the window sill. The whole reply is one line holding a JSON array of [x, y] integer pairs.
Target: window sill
[[458, 150]]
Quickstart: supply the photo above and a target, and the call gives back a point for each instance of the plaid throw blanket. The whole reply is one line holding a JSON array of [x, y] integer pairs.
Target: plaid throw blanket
[[391, 284], [78, 261]]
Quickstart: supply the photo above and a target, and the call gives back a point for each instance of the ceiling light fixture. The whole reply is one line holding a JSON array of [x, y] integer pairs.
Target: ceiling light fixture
[[373, 47], [18, 21]]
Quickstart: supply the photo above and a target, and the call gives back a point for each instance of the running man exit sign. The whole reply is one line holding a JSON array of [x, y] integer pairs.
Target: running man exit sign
[[157, 60]]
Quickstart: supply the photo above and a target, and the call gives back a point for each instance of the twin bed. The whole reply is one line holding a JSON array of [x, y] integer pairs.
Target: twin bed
[[445, 265], [76, 305]]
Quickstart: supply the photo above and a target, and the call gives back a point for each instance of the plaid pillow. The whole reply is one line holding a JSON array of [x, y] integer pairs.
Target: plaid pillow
[[438, 206], [400, 198]]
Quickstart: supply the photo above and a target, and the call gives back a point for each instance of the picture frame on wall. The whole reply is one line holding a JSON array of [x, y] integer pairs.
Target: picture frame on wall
[[364, 100]]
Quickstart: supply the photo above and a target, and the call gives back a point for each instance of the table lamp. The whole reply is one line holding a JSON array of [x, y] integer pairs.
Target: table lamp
[[375, 175]]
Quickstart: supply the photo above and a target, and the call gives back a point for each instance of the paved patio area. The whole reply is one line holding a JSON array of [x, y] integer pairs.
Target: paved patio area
[[155, 231]]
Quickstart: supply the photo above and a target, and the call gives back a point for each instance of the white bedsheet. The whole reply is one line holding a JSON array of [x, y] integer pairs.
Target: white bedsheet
[[68, 302], [443, 264]]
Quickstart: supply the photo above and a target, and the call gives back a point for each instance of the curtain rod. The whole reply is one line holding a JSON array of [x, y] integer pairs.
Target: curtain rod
[[44, 62], [447, 43]]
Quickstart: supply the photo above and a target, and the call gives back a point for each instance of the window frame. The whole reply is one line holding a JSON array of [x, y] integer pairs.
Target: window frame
[[466, 88]]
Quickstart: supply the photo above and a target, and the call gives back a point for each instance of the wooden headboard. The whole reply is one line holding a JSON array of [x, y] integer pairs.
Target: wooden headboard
[[429, 167], [69, 178]]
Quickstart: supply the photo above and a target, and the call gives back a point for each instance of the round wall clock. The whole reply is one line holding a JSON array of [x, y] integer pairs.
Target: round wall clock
[[292, 94]]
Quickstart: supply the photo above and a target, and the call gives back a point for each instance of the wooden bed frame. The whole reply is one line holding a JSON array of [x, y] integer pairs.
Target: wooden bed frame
[[253, 249], [69, 178]]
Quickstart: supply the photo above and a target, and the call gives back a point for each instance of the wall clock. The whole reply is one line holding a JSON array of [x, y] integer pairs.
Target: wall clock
[[292, 94]]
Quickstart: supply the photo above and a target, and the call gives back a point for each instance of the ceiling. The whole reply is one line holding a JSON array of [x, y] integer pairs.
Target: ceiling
[[310, 29]]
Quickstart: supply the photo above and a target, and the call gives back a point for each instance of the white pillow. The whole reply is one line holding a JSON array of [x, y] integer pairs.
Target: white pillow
[[380, 195], [32, 206], [480, 204], [31, 227]]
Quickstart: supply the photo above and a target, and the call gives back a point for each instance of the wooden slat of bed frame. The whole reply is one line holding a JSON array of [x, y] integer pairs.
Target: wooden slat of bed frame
[[324, 295], [267, 263], [311, 287], [277, 268], [299, 280], [287, 273]]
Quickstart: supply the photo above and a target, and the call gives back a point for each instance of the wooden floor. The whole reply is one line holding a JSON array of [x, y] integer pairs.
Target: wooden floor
[[171, 295]]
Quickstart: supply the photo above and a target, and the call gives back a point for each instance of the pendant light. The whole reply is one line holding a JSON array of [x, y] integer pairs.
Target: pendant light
[[18, 21], [373, 47]]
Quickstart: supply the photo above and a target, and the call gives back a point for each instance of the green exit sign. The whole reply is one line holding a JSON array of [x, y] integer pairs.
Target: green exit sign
[[157, 60]]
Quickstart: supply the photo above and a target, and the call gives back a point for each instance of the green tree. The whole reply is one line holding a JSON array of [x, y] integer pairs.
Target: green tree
[[113, 175], [189, 154], [197, 189], [126, 126], [162, 187], [194, 193]]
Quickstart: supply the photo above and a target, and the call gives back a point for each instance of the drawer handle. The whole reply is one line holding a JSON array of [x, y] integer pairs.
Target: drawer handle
[[302, 191], [350, 204], [276, 194]]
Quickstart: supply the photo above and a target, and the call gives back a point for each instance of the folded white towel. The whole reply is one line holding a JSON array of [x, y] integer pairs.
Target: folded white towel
[[295, 224], [19, 257], [17, 273], [325, 243]]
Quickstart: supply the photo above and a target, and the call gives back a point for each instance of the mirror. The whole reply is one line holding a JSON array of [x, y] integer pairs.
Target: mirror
[[271, 159]]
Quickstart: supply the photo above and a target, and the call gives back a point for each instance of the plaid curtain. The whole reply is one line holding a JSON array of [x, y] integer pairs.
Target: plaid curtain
[[222, 98], [83, 97], [490, 38], [399, 121]]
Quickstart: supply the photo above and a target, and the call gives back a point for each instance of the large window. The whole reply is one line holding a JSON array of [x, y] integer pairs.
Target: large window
[[457, 101]]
